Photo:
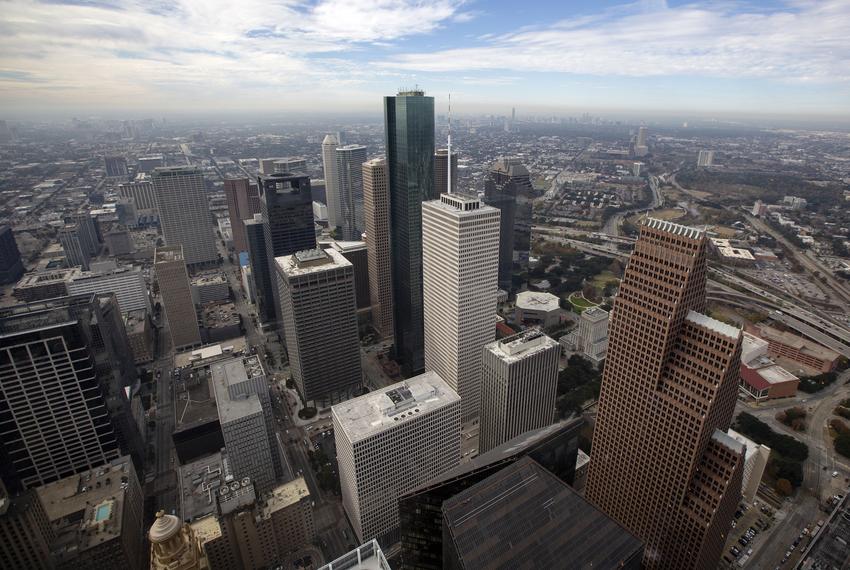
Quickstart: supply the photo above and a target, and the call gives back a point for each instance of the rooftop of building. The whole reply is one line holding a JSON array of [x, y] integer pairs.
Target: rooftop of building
[[209, 278], [393, 405], [582, 459], [86, 509], [206, 528], [368, 556], [200, 482], [42, 278], [459, 204], [348, 147], [750, 446], [227, 373], [523, 515], [206, 355], [347, 246], [510, 166], [594, 314], [804, 345], [217, 314], [674, 228], [537, 301], [168, 253], [284, 495], [521, 345], [728, 441], [311, 261], [175, 170], [136, 321], [714, 325], [380, 161]]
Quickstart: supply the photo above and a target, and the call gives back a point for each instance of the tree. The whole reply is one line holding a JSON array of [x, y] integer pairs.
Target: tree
[[784, 488], [589, 291], [842, 444]]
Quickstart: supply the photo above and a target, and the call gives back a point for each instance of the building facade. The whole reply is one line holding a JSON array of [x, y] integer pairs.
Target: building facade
[[593, 333], [127, 283], [409, 127], [25, 531], [261, 268], [173, 281], [675, 481], [389, 442], [332, 197], [73, 244], [376, 209], [441, 173], [320, 324], [237, 192], [519, 385], [460, 259], [11, 266], [349, 181], [184, 213]]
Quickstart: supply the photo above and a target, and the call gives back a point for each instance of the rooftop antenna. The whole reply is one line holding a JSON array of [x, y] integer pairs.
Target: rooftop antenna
[[449, 149]]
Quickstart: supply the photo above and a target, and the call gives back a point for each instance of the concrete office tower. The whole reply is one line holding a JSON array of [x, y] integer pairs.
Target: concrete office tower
[[460, 261], [641, 136], [508, 188], [357, 254], [174, 545], [290, 164], [389, 442], [593, 333], [755, 462], [662, 463], [261, 270], [332, 197], [25, 532], [519, 386], [237, 191], [244, 423], [76, 253], [173, 280], [126, 283], [287, 207], [320, 324], [11, 266], [441, 172], [409, 127], [116, 166], [705, 158], [88, 231], [184, 213], [376, 210], [142, 194], [349, 184]]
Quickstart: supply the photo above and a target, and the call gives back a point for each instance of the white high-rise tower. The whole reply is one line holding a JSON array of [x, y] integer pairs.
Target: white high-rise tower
[[329, 146], [460, 259], [349, 184]]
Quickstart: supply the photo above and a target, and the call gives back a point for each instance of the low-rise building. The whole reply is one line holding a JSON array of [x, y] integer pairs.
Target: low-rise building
[[536, 308], [729, 254], [47, 284], [761, 378], [813, 357], [209, 287]]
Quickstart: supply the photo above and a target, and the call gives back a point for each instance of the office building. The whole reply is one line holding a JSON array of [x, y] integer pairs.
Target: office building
[[320, 324], [142, 194], [127, 283], [332, 197], [705, 158], [25, 531], [441, 173], [184, 213], [409, 127], [389, 442], [674, 481], [240, 384], [209, 287], [147, 164], [376, 211], [116, 166], [534, 308], [755, 461], [641, 147], [11, 266], [525, 517], [140, 335], [508, 188], [290, 164], [761, 378], [119, 242], [460, 259], [54, 387], [88, 231], [96, 518], [175, 545], [593, 333], [173, 280], [238, 192], [520, 381], [555, 447], [809, 357], [357, 254], [349, 184], [261, 269], [287, 208], [73, 244], [367, 556]]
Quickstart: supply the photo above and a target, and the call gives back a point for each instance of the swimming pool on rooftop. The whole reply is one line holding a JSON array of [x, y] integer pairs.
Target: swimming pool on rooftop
[[102, 512]]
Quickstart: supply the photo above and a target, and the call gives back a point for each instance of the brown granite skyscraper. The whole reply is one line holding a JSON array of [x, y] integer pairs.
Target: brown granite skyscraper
[[662, 464]]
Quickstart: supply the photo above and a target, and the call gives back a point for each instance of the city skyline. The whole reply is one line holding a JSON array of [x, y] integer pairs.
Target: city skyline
[[654, 56]]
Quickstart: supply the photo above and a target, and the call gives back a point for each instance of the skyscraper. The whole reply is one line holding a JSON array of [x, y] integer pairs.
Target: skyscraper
[[25, 531], [508, 188], [237, 191], [261, 269], [11, 266], [593, 333], [641, 136], [142, 194], [184, 213], [349, 184], [519, 386], [376, 211], [389, 442], [662, 463], [88, 231], [173, 280], [441, 172], [329, 145], [287, 206], [116, 166], [460, 259], [320, 324], [289, 165], [55, 420], [73, 244], [705, 158], [409, 126]]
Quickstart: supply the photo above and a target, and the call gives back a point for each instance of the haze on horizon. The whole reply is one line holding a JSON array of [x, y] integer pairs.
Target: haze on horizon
[[59, 58]]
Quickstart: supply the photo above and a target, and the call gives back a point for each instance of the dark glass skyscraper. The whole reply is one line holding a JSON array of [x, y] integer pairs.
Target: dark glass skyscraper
[[508, 188], [255, 238], [11, 267], [409, 127]]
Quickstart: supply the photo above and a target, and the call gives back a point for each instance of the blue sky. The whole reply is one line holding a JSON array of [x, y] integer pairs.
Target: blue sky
[[783, 57]]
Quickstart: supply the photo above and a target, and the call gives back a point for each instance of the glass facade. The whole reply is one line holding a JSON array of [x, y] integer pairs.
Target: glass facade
[[409, 124]]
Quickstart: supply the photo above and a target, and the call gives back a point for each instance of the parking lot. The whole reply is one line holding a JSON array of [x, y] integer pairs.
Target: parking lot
[[752, 525]]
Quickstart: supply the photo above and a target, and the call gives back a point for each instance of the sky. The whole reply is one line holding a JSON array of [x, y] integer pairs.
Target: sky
[[288, 56]]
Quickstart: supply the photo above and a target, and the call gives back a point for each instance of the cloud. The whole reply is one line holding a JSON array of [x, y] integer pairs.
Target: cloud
[[797, 41]]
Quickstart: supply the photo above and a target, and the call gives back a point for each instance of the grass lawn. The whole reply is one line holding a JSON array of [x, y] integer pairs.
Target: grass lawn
[[579, 303], [602, 279]]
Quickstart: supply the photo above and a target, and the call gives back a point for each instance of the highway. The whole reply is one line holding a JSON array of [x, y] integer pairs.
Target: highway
[[612, 225]]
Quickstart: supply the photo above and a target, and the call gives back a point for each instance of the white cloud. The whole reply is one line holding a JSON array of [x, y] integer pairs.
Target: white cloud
[[800, 41]]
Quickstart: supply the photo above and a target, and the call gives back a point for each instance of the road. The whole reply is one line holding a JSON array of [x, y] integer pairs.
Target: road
[[165, 482], [612, 226]]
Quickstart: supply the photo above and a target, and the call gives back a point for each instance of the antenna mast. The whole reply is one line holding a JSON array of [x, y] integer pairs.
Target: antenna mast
[[449, 149]]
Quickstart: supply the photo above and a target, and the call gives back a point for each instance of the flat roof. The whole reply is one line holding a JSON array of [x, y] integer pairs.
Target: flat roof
[[368, 556], [524, 516], [285, 495], [802, 344], [751, 446], [200, 481], [728, 441], [206, 528], [311, 261], [521, 345], [713, 324], [168, 253], [227, 373], [537, 301], [393, 405]]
